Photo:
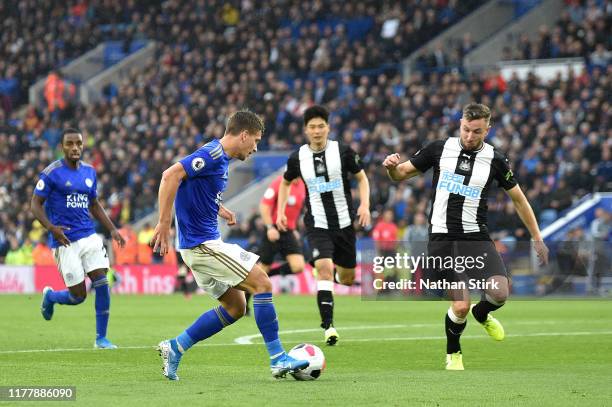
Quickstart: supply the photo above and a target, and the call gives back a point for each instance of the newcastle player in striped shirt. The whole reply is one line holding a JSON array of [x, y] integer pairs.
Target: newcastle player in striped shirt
[[324, 166], [464, 169]]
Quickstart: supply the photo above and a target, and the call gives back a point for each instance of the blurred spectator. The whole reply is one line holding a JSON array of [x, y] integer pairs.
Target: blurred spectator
[[42, 254], [127, 254], [59, 93], [600, 258], [417, 235], [145, 252], [19, 255], [385, 234], [602, 225]]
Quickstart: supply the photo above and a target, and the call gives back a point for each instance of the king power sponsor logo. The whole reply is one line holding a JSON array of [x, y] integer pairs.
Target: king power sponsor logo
[[77, 201]]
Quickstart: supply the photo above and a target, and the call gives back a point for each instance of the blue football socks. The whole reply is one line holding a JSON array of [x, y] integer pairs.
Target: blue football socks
[[208, 324], [63, 297], [102, 305], [265, 317]]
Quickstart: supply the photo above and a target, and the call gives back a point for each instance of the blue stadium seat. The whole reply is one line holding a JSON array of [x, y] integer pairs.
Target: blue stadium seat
[[113, 53]]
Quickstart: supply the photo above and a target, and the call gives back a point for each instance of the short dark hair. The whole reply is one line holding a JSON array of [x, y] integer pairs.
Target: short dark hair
[[69, 130], [475, 111], [316, 111], [243, 120]]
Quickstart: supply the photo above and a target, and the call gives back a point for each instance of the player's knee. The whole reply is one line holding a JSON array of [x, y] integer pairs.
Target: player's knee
[[499, 294], [262, 284], [296, 267], [237, 311], [77, 299], [497, 297], [346, 278], [78, 293], [461, 308], [325, 271], [99, 282]]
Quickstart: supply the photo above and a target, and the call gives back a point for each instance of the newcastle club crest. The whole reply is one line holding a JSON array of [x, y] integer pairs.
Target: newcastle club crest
[[465, 165], [319, 166]]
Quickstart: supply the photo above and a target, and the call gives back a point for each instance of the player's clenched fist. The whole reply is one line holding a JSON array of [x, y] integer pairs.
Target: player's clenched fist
[[391, 161]]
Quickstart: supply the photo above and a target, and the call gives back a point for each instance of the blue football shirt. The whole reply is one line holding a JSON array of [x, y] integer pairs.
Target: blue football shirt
[[199, 196], [68, 194]]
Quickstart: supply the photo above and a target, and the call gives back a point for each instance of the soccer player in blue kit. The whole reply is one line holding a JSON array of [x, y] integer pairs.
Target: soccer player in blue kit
[[195, 184], [63, 199]]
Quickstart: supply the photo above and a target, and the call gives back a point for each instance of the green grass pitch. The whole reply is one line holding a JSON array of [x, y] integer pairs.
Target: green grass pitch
[[390, 353]]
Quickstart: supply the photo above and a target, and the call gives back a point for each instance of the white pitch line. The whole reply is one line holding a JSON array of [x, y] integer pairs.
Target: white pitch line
[[405, 338], [430, 338], [248, 339]]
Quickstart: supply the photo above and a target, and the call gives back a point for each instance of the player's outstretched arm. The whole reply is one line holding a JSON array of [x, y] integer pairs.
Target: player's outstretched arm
[[525, 212], [171, 179], [363, 212], [98, 212], [37, 209], [283, 195], [397, 171]]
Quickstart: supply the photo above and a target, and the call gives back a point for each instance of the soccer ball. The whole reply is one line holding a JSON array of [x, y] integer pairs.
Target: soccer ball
[[311, 353]]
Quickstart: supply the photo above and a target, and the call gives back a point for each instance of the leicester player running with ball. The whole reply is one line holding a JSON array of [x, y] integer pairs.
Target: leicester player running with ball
[[195, 185], [63, 200], [464, 169]]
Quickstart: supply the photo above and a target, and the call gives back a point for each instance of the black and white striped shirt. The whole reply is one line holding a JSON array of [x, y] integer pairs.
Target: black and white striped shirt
[[461, 183], [325, 173]]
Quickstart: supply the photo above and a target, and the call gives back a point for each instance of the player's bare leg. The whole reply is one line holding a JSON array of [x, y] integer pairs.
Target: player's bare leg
[[234, 303], [494, 298], [296, 263], [345, 276]]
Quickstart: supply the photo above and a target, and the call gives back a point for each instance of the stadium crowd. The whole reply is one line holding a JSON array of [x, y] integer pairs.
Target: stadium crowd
[[40, 36], [582, 31], [210, 64]]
